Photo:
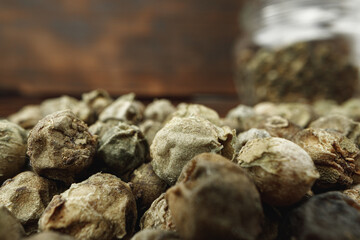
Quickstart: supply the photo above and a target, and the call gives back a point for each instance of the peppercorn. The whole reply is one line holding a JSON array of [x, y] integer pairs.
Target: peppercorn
[[340, 123], [159, 110], [27, 117], [12, 149], [248, 135], [158, 216], [146, 186], [80, 109], [334, 155], [123, 148], [353, 193], [185, 110], [183, 138], [300, 114], [10, 226], [243, 118], [282, 171], [327, 216], [26, 196], [281, 127], [149, 128], [125, 108], [101, 207], [99, 128], [60, 147], [215, 199], [97, 100]]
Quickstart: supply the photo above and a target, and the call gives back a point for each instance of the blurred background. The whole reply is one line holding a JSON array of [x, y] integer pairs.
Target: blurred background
[[180, 49]]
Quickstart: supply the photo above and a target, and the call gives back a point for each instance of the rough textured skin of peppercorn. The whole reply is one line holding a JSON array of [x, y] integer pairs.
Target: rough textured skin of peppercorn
[[146, 186], [158, 216], [335, 156], [12, 149], [60, 146], [283, 172], [159, 110], [26, 196], [123, 148], [327, 216], [181, 139], [101, 207], [10, 226], [215, 199]]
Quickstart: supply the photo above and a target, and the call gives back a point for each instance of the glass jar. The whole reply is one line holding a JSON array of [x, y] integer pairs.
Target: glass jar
[[298, 50]]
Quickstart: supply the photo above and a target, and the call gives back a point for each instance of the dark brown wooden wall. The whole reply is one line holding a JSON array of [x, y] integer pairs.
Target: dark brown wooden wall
[[151, 47]]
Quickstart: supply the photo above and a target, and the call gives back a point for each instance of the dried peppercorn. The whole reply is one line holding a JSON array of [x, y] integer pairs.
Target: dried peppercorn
[[215, 199], [125, 108], [183, 138], [334, 155], [248, 135], [12, 149], [60, 146], [243, 118], [146, 186], [353, 193], [97, 100], [300, 114], [159, 110], [158, 216], [327, 216], [282, 171], [101, 207], [27, 117], [10, 226], [340, 123], [99, 128], [26, 196], [185, 110], [123, 148], [80, 109], [149, 128], [281, 127]]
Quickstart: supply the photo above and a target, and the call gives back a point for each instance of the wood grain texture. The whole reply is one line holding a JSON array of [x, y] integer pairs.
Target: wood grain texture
[[153, 47]]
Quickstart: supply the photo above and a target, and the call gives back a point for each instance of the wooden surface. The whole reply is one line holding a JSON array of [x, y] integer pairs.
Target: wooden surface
[[155, 48]]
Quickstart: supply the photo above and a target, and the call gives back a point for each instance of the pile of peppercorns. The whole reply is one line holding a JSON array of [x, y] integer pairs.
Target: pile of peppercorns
[[160, 172]]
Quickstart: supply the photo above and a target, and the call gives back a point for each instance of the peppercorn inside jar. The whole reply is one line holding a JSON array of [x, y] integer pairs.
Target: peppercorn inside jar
[[298, 50]]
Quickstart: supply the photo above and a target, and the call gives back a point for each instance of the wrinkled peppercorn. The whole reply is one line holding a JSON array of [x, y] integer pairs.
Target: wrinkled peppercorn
[[334, 155], [183, 138], [60, 146], [281, 127], [123, 148], [327, 216], [215, 199], [26, 196], [282, 171], [196, 110], [125, 108], [12, 149], [101, 207], [158, 216], [159, 110], [10, 226], [146, 186]]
